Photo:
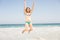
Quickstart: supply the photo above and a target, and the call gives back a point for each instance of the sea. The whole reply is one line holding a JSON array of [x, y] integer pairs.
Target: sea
[[34, 25]]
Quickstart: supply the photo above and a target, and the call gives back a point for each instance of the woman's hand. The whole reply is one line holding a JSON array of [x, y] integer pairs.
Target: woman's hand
[[24, 1]]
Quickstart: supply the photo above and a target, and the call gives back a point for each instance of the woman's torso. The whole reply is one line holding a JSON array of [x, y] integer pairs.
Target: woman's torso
[[28, 17]]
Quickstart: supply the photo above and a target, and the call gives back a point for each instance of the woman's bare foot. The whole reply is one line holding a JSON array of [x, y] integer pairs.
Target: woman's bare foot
[[30, 30], [24, 30]]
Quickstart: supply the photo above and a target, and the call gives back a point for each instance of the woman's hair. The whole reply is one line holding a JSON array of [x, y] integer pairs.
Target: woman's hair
[[27, 9]]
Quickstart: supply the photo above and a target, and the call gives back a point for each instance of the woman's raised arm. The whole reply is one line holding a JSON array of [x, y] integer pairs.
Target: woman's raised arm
[[24, 4], [32, 6]]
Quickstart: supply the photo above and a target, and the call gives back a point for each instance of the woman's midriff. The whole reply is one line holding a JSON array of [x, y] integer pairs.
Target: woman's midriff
[[28, 18]]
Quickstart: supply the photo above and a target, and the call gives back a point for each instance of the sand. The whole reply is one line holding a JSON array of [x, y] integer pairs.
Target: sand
[[38, 33]]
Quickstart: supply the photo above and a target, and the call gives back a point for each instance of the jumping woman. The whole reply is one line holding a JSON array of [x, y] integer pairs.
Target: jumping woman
[[28, 22]]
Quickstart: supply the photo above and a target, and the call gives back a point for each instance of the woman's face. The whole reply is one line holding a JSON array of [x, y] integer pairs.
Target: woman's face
[[28, 9]]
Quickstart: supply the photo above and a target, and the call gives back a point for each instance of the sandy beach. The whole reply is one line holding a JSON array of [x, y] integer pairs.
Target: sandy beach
[[38, 33]]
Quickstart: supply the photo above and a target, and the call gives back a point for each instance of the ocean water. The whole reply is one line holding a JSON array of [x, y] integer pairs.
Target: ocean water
[[34, 25]]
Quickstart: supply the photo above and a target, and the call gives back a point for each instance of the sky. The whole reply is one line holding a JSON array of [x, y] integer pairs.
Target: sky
[[45, 11]]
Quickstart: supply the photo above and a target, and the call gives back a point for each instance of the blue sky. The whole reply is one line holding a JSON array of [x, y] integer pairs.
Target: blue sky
[[45, 11]]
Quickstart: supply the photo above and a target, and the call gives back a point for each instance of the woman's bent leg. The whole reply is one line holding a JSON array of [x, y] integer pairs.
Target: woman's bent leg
[[31, 27], [26, 28]]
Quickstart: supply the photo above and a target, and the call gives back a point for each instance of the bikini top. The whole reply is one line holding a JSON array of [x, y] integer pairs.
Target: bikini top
[[28, 14]]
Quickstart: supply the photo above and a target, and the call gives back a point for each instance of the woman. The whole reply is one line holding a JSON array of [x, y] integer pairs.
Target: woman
[[28, 12]]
